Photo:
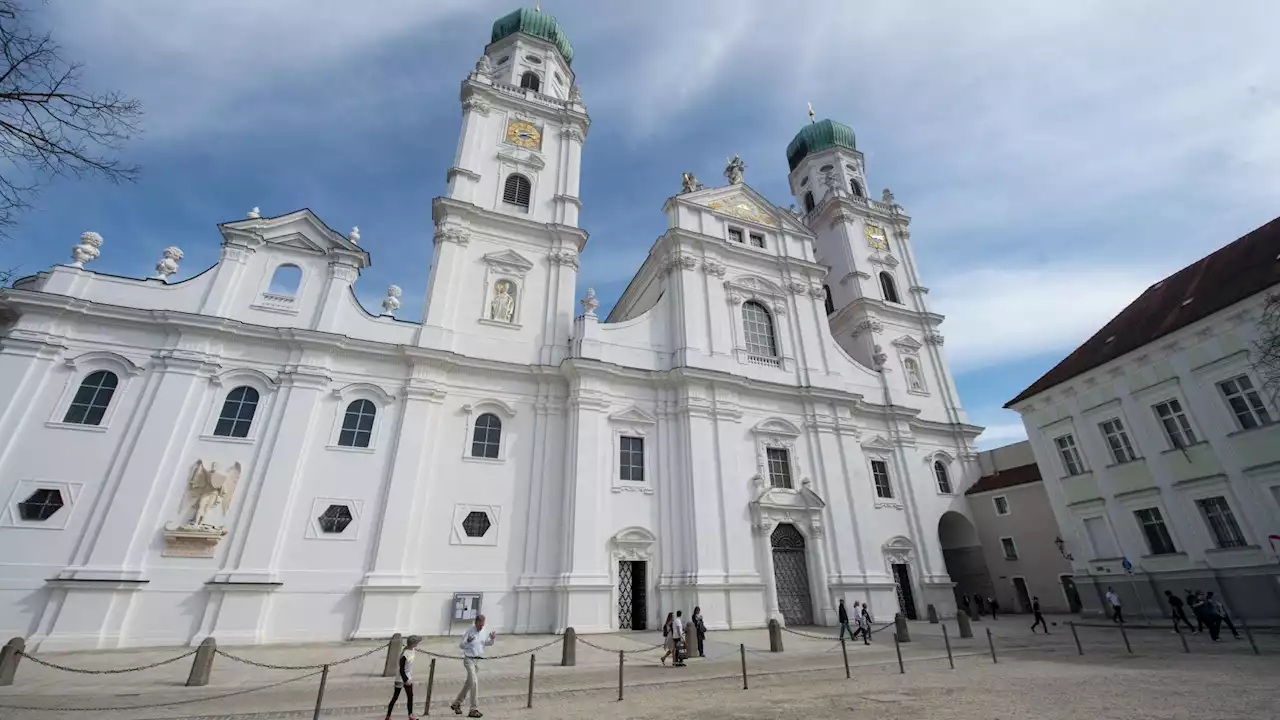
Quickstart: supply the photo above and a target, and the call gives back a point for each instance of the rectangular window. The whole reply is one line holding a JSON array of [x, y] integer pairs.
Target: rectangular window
[[1010, 549], [1002, 504], [1152, 524], [1177, 428], [735, 235], [779, 467], [880, 475], [1118, 441], [1070, 455], [757, 240], [631, 459], [1222, 522], [1245, 402]]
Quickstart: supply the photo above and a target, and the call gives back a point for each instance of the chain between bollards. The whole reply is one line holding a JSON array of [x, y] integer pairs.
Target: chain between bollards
[[1076, 635], [324, 677], [621, 657], [1125, 635], [1249, 634], [845, 652], [742, 649], [992, 644], [533, 659], [947, 639], [898, 647], [431, 681]]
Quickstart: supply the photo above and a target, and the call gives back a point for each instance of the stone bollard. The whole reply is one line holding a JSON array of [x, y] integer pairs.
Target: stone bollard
[[962, 620], [394, 649], [775, 635], [933, 614], [203, 664], [690, 639], [9, 657], [900, 627], [569, 648]]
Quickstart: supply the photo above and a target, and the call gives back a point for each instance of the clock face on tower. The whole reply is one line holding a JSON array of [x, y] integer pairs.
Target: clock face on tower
[[525, 134], [876, 238]]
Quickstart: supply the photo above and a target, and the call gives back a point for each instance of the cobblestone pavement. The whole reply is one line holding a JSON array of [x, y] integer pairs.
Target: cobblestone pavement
[[809, 674]]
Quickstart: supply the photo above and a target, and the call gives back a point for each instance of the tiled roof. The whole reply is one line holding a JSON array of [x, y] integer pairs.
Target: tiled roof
[[1238, 271], [1021, 475]]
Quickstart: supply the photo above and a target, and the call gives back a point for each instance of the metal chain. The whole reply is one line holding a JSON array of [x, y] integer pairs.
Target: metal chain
[[270, 666], [491, 657], [815, 637], [82, 671], [588, 643], [190, 701]]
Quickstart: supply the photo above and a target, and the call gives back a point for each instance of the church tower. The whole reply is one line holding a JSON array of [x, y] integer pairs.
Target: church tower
[[876, 301], [506, 233]]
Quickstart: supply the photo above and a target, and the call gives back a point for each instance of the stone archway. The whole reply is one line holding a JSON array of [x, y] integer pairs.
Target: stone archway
[[962, 553]]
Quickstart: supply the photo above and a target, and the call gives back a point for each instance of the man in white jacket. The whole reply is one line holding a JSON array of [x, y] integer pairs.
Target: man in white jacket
[[474, 641]]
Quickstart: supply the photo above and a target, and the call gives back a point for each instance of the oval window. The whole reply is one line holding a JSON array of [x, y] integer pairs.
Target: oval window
[[826, 168], [504, 59], [851, 168], [533, 59], [559, 80], [804, 181]]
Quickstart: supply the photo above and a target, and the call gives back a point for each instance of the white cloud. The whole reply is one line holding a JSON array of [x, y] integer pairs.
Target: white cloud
[[995, 436], [1000, 315]]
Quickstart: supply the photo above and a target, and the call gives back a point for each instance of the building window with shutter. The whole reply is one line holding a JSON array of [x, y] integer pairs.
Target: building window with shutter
[[517, 190]]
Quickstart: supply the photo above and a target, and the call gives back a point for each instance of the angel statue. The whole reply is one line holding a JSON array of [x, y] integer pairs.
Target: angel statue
[[689, 183], [212, 487], [734, 171]]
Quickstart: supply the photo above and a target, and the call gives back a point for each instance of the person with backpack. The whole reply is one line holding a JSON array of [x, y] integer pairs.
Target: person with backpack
[[668, 641], [700, 629], [404, 676]]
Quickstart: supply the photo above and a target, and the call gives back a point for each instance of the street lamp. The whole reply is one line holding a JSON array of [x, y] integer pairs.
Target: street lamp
[[1061, 551]]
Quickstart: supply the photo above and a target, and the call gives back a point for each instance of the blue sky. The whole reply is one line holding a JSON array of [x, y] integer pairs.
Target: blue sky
[[1057, 158]]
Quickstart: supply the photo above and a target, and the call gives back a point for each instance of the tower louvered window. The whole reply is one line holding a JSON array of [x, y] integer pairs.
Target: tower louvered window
[[517, 190]]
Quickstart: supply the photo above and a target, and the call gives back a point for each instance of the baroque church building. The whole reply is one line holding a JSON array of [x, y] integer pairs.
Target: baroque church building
[[764, 424]]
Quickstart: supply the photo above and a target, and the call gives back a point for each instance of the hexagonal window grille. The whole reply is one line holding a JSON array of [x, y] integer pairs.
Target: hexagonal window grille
[[476, 524], [335, 519], [41, 505]]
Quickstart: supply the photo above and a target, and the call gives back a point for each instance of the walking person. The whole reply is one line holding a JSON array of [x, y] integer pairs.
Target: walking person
[[866, 623], [1222, 613], [1209, 612], [404, 676], [995, 607], [473, 643], [677, 634], [1035, 610], [843, 616], [1194, 603], [1117, 614], [1178, 612], [700, 629], [668, 642], [964, 602], [977, 603]]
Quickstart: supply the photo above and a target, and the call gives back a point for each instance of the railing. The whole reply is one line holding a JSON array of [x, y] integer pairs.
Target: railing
[[277, 300], [529, 94], [766, 361]]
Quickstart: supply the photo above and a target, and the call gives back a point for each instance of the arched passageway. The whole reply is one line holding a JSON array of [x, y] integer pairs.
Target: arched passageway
[[962, 553]]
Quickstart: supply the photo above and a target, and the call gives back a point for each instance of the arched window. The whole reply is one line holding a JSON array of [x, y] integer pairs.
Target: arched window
[[486, 439], [237, 413], [944, 480], [530, 81], [357, 424], [285, 280], [91, 400], [757, 326], [830, 304], [915, 380], [808, 201], [517, 190], [856, 188], [888, 288]]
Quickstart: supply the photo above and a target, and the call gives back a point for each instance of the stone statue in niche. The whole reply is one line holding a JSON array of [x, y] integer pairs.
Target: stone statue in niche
[[913, 376], [212, 487], [503, 306]]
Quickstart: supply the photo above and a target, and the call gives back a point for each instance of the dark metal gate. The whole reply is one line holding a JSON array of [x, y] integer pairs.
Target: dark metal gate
[[906, 600], [791, 575], [631, 595]]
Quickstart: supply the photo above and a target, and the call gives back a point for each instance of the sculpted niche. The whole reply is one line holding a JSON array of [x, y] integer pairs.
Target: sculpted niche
[[201, 527]]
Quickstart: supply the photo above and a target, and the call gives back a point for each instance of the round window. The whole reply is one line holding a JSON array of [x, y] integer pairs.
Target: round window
[[533, 59], [826, 168], [504, 59], [851, 168]]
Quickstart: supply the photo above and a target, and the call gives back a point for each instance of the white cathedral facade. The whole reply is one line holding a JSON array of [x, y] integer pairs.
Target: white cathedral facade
[[766, 422]]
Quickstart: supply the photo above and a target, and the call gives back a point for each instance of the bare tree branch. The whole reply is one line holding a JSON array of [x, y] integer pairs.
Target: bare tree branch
[[1267, 346], [51, 126]]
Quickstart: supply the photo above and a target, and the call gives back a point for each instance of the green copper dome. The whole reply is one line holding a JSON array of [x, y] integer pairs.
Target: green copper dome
[[815, 137], [531, 21]]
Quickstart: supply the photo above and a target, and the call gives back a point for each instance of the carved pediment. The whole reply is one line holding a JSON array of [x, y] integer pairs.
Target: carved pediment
[[786, 499], [908, 344], [776, 426], [508, 261], [633, 415], [755, 286], [301, 230], [522, 158], [878, 443], [740, 206]]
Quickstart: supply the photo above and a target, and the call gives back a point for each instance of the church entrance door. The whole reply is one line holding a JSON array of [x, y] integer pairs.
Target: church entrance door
[[632, 582], [906, 599], [791, 575]]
